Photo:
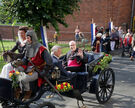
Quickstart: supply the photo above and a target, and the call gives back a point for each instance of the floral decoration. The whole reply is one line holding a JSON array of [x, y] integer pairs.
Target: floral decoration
[[64, 87], [13, 75], [103, 63]]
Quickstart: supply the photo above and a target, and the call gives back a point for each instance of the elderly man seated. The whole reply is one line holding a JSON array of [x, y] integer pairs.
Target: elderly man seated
[[55, 53], [75, 61]]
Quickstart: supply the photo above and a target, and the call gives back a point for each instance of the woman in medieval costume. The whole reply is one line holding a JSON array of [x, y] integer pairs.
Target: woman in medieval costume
[[20, 47]]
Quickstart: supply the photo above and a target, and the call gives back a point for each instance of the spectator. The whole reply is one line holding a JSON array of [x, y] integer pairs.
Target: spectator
[[133, 47], [96, 29], [55, 37], [97, 43], [121, 35], [106, 43], [127, 40], [113, 37], [77, 37], [127, 43], [116, 38]]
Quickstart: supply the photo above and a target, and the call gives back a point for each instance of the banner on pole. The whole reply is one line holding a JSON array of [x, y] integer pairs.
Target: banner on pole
[[92, 33], [44, 36], [110, 26]]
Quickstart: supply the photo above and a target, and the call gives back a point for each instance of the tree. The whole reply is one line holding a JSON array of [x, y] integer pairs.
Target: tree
[[39, 12]]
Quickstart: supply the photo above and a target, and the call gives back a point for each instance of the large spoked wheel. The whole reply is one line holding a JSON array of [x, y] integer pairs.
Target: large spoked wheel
[[46, 105], [105, 85]]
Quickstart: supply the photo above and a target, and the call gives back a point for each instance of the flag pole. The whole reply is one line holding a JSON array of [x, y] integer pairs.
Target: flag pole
[[44, 35]]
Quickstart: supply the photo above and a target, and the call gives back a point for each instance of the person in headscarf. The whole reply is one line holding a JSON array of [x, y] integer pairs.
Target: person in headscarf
[[127, 43], [20, 47], [97, 43], [36, 56]]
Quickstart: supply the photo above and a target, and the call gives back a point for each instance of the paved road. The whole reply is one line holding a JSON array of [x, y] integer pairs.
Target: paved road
[[124, 92]]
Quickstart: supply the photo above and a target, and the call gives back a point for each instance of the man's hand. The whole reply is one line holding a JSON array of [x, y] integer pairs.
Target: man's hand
[[80, 53]]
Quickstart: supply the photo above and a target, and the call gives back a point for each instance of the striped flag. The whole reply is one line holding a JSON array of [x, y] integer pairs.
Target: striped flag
[[44, 36], [110, 26], [92, 33]]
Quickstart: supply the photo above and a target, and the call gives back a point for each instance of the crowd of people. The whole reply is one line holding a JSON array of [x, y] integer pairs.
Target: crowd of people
[[117, 38]]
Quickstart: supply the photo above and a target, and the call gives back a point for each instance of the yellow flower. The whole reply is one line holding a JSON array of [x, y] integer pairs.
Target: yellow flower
[[64, 83], [68, 85], [17, 73], [10, 74]]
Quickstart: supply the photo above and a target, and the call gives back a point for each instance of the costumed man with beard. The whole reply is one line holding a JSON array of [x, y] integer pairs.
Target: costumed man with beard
[[97, 43], [20, 47], [36, 56]]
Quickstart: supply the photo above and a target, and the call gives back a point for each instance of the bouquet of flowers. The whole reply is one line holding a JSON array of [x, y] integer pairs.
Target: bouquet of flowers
[[14, 77], [64, 87], [103, 63]]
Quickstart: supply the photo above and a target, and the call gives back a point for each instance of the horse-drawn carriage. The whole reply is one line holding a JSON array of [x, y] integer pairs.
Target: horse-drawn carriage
[[97, 78]]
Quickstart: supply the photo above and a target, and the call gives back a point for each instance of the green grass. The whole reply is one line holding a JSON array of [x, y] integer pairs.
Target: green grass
[[8, 45], [2, 63]]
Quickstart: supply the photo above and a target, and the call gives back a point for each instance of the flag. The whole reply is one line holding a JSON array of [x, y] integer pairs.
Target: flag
[[92, 33], [44, 36], [110, 26]]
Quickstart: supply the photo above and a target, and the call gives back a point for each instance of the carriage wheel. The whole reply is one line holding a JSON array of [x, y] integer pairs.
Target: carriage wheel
[[105, 85], [46, 105]]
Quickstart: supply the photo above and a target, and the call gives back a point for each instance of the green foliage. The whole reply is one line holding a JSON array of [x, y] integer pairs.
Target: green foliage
[[103, 63], [39, 12], [50, 45]]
